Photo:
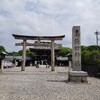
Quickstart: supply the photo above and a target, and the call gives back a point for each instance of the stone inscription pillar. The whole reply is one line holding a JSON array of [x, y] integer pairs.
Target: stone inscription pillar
[[23, 56], [76, 48], [52, 56], [76, 75]]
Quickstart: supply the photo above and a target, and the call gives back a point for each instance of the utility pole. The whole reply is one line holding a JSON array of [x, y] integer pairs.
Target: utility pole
[[97, 39]]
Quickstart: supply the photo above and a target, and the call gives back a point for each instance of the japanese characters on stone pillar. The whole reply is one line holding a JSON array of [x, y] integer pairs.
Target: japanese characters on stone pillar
[[76, 48]]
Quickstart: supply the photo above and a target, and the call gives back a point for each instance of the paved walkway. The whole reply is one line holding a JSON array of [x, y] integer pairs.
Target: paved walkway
[[42, 84]]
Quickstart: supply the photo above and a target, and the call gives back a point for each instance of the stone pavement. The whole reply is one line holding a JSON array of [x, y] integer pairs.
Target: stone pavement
[[42, 84]]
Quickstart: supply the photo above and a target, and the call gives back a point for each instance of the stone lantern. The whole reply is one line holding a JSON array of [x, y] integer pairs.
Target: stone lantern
[[70, 61], [2, 56], [69, 57]]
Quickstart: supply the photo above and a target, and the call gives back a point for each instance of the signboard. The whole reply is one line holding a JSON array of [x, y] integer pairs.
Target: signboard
[[76, 48], [62, 58]]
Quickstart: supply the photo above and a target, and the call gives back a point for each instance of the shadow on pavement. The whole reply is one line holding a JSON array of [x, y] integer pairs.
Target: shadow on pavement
[[66, 81]]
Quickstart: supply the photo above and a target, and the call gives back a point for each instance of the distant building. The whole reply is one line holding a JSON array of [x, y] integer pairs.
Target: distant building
[[62, 61], [42, 55], [19, 60]]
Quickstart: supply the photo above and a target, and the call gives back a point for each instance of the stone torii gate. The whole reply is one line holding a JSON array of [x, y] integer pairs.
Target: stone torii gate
[[24, 44]]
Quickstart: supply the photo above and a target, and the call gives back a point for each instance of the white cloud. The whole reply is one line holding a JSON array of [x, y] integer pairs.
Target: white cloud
[[48, 17]]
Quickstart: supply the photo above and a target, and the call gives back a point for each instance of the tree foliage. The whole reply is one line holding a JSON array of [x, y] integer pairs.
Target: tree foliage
[[63, 51], [19, 52], [91, 55], [28, 52], [2, 49], [91, 59]]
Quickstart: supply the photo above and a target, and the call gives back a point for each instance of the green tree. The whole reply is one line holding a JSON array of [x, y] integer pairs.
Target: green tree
[[12, 53], [19, 52], [28, 52], [90, 55], [93, 47], [83, 48], [63, 51], [2, 49]]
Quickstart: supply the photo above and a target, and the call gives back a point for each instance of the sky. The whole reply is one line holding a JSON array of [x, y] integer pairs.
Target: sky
[[48, 18]]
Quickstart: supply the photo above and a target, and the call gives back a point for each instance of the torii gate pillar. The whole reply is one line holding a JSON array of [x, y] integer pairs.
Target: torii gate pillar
[[23, 56], [52, 56]]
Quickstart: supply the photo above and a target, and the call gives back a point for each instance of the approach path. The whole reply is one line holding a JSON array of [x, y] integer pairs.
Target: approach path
[[42, 84]]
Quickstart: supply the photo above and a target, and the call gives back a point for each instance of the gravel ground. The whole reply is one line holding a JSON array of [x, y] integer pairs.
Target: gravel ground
[[42, 84]]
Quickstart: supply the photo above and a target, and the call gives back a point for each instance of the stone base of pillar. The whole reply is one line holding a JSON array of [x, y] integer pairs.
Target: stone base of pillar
[[52, 69], [77, 76], [22, 69], [1, 71], [37, 66]]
